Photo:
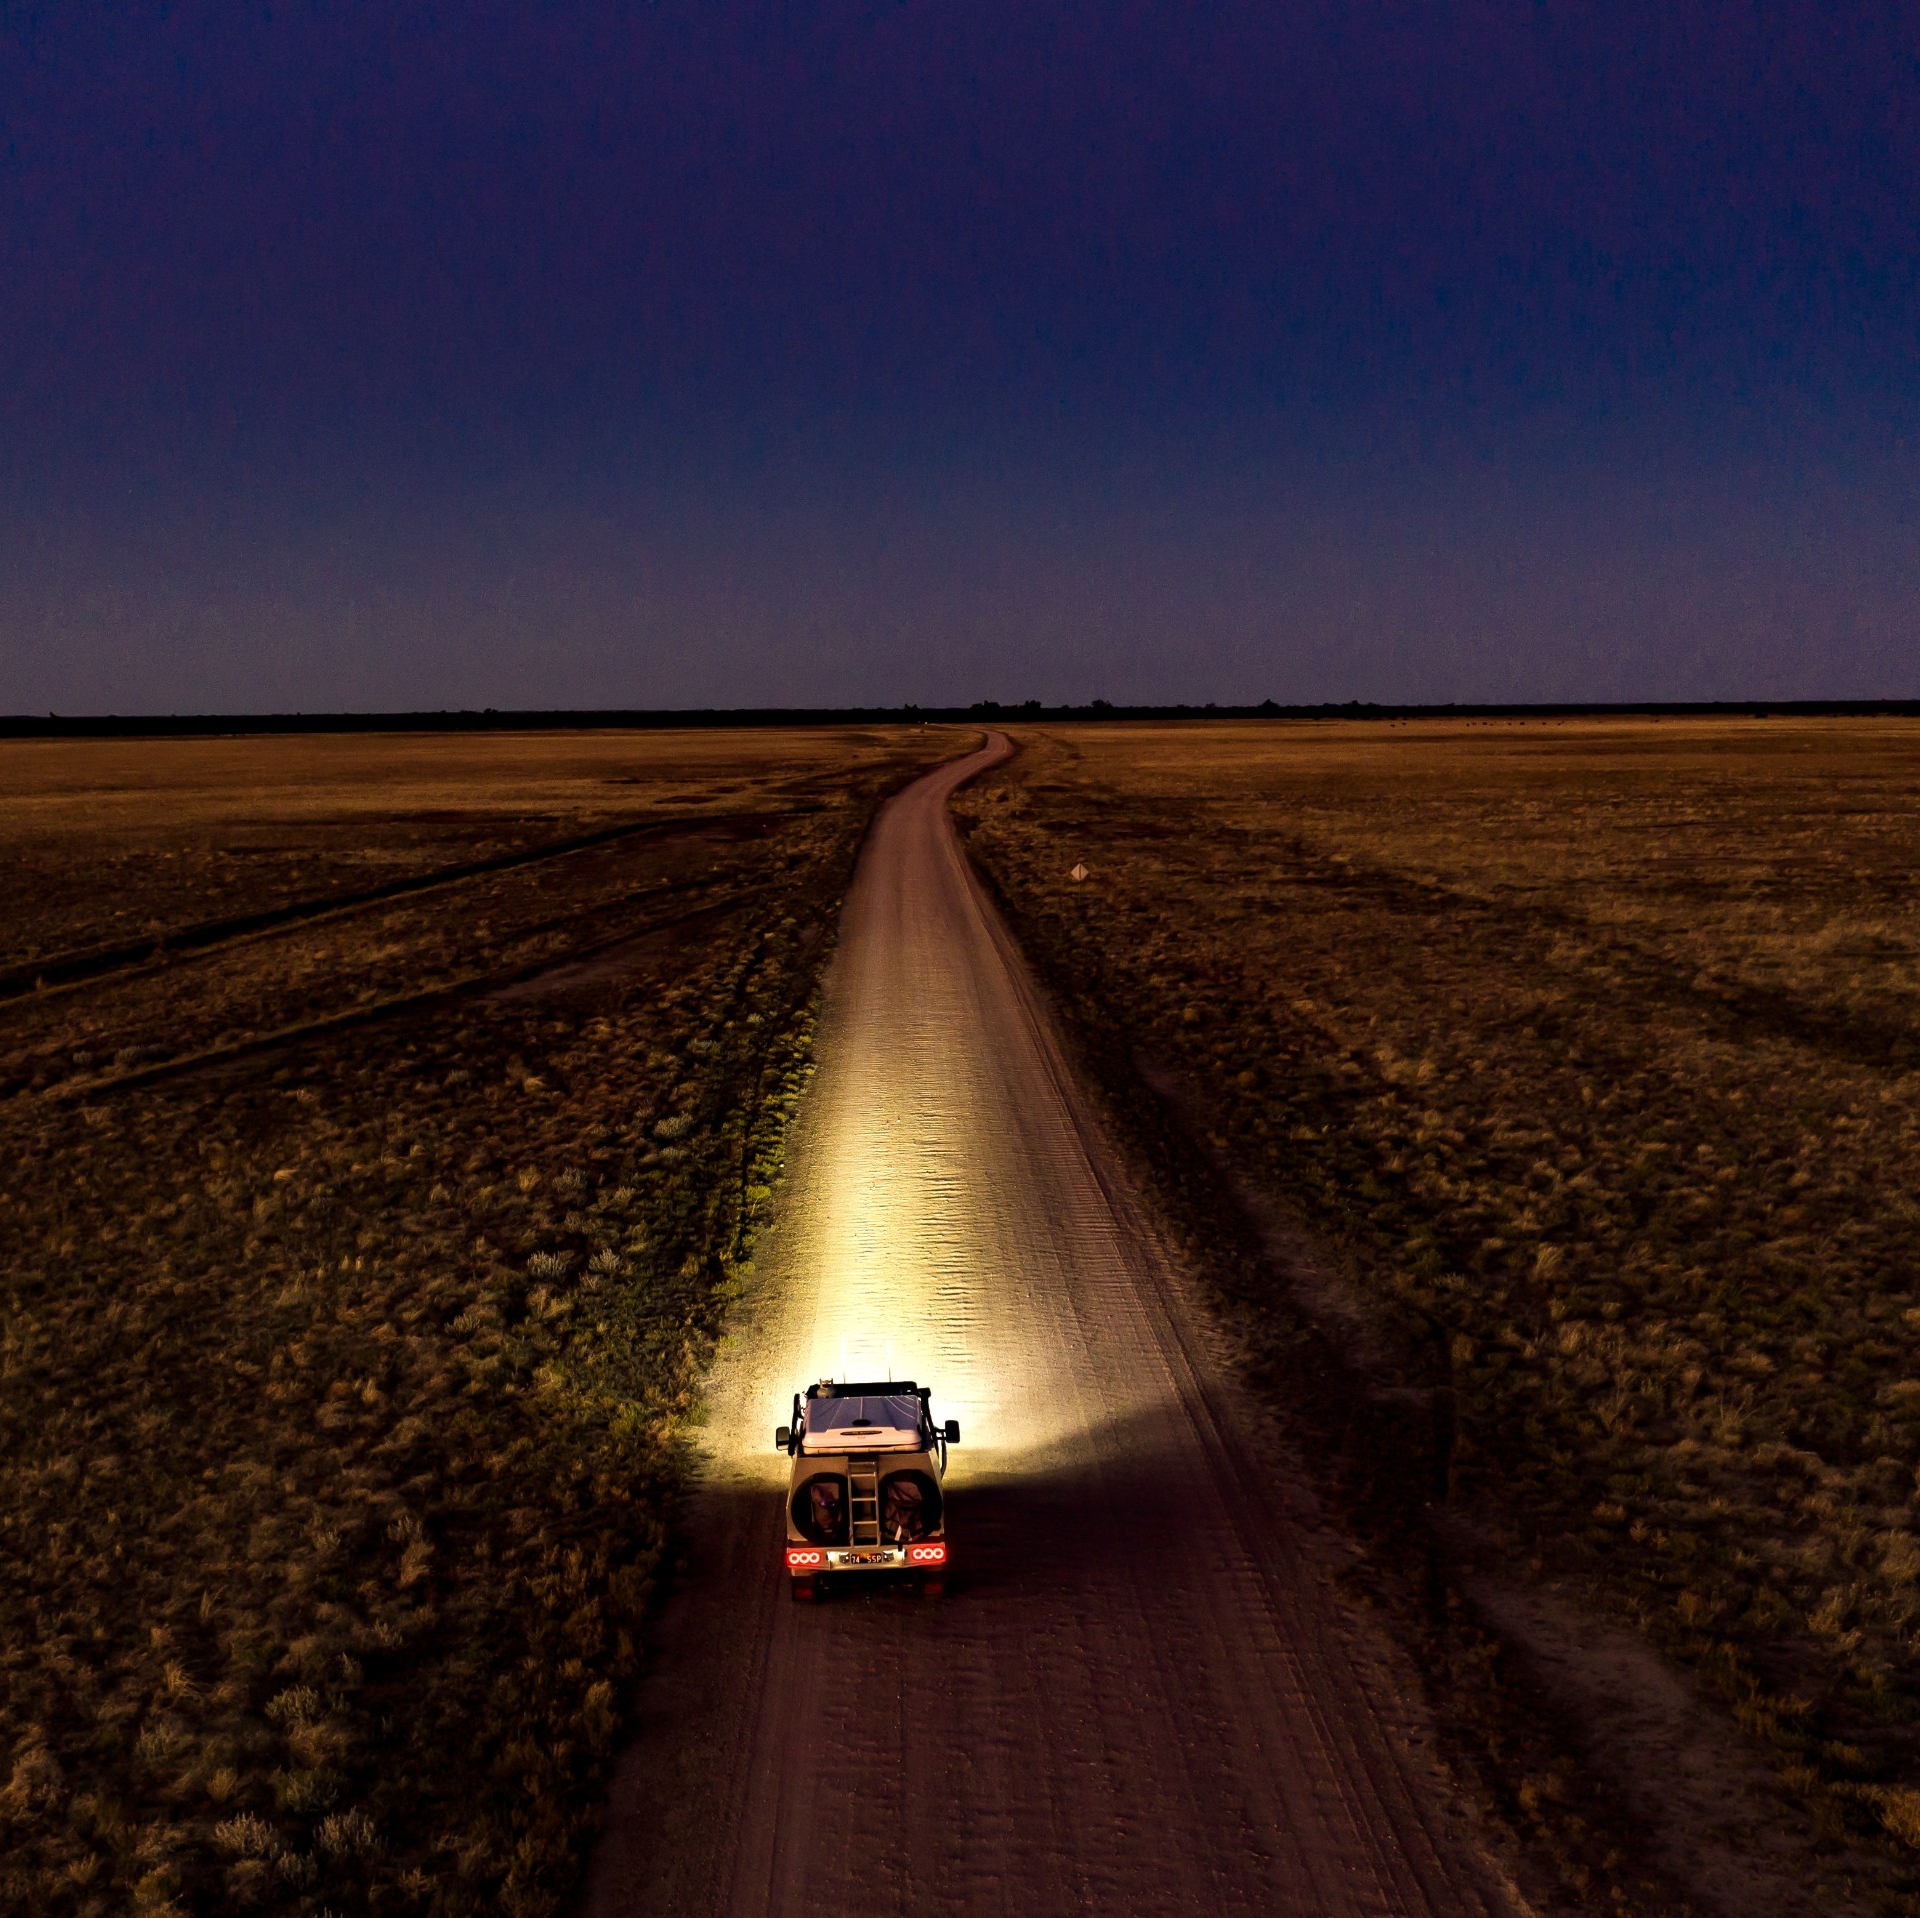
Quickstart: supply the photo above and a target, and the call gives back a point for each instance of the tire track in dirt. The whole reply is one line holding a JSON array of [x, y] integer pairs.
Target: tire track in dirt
[[65, 970], [1142, 1694], [582, 965]]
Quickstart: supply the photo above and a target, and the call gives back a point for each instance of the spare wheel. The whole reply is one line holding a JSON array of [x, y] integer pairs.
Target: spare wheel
[[909, 1506], [820, 1509]]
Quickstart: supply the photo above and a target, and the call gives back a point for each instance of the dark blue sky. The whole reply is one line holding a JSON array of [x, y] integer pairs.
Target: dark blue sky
[[683, 354]]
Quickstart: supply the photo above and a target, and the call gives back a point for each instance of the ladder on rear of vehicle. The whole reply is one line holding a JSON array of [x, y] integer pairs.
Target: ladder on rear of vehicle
[[863, 1482]]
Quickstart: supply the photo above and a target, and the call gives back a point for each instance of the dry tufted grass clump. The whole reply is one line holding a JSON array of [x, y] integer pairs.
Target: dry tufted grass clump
[[344, 1362], [1593, 1048]]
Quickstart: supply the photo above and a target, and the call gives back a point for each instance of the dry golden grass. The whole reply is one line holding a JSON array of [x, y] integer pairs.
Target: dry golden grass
[[108, 859], [341, 1384], [1598, 1045], [109, 840]]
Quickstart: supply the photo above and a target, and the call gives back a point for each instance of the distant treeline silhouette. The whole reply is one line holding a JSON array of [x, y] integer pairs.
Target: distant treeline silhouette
[[196, 725]]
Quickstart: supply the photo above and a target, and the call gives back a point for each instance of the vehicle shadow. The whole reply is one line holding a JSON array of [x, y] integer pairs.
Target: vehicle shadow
[[1125, 1497], [1132, 1523]]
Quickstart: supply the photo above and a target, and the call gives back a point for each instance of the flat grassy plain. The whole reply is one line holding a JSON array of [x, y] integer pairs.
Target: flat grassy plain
[[359, 1272], [1594, 1050]]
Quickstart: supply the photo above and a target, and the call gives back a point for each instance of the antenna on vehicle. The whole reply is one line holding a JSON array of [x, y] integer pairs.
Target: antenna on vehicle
[[889, 1358]]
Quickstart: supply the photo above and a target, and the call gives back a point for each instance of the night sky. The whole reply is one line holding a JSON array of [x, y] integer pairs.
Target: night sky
[[402, 356]]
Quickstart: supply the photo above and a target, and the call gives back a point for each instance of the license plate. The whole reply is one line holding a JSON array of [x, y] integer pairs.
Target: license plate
[[866, 1558]]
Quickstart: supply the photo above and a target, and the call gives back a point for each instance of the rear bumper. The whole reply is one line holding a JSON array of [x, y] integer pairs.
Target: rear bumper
[[923, 1555]]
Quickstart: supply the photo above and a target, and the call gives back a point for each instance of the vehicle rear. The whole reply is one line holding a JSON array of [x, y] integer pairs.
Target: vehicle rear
[[865, 1494]]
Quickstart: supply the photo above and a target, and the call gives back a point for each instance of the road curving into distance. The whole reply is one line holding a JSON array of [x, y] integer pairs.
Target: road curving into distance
[[1140, 1694]]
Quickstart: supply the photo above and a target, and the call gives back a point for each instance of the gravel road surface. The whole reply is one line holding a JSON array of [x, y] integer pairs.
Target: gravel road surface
[[1142, 1694]]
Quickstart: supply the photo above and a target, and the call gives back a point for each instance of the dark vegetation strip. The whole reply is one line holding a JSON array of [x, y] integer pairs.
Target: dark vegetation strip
[[1099, 711], [1738, 1009], [95, 962]]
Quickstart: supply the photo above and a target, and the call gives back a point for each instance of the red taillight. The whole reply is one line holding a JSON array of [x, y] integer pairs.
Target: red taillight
[[933, 1554], [800, 1560]]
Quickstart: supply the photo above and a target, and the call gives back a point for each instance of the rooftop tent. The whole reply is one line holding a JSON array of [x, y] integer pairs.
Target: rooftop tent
[[890, 1424]]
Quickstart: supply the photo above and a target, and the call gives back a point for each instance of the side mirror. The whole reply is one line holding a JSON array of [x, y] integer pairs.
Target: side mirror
[[783, 1438], [952, 1433]]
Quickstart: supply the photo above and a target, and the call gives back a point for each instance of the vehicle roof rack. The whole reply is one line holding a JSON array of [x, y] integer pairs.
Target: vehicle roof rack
[[868, 1389]]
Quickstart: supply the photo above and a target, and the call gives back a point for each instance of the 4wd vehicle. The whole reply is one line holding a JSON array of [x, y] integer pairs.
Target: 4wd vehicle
[[864, 1494]]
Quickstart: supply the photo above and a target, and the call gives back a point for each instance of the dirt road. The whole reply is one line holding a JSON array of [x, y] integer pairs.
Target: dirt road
[[1140, 1695]]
